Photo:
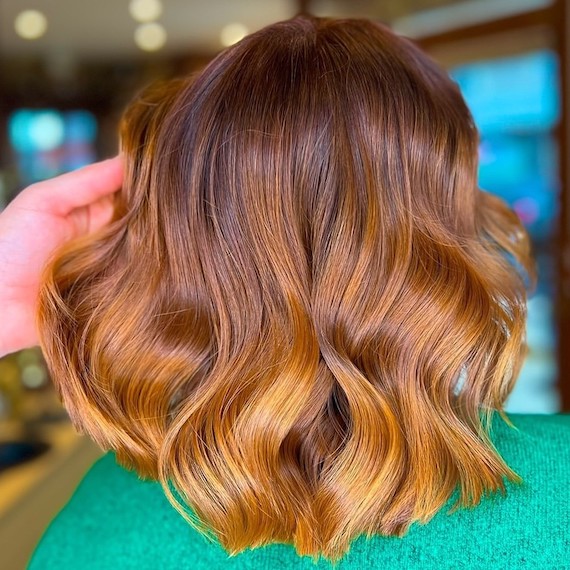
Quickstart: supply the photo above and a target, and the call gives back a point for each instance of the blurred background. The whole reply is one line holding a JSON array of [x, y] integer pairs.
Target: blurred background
[[68, 67]]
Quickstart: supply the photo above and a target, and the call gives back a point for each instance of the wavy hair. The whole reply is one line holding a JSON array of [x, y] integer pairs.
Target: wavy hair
[[304, 311]]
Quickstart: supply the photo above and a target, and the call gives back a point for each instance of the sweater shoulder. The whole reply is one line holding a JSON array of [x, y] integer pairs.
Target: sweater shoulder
[[119, 520], [538, 434], [542, 423]]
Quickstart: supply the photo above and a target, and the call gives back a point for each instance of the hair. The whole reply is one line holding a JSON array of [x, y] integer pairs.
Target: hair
[[304, 311]]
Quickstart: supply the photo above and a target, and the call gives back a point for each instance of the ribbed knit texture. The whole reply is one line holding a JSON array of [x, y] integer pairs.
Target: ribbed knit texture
[[116, 521]]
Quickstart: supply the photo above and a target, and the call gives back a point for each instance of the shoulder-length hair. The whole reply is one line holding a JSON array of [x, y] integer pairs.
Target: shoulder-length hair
[[304, 311]]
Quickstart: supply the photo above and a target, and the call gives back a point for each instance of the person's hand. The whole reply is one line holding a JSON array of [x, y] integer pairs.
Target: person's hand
[[40, 219]]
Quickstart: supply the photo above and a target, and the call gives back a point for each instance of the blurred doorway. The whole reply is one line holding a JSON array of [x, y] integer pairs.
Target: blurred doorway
[[510, 73]]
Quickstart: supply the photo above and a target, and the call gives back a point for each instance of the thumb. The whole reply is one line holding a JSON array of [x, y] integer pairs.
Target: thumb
[[93, 217]]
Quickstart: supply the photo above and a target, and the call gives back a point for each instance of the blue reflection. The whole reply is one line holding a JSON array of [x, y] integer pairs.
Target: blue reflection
[[520, 93], [515, 103], [48, 142]]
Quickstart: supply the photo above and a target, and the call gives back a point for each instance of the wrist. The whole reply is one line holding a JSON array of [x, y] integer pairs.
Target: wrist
[[18, 330]]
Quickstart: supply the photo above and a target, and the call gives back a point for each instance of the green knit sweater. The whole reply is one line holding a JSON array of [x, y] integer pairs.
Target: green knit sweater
[[116, 521]]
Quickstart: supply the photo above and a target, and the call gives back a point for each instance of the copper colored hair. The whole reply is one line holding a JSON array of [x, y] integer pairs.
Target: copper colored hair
[[304, 312]]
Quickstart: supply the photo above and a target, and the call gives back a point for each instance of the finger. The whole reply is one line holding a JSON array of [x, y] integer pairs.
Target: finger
[[91, 218], [100, 213], [64, 193]]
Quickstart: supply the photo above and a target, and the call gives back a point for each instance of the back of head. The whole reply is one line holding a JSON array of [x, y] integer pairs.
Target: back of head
[[304, 311]]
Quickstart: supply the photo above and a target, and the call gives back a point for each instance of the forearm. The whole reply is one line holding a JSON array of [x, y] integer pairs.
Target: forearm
[[16, 328]]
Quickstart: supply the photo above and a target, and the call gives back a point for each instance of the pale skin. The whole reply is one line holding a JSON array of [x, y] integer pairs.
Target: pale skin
[[40, 219]]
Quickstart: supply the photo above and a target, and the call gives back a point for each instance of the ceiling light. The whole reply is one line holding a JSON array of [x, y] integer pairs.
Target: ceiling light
[[233, 33], [150, 37], [30, 24], [145, 10]]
